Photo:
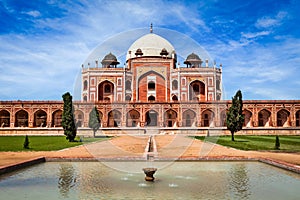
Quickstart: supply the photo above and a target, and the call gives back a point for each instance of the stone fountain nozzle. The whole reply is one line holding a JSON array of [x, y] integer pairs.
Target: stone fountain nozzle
[[149, 173]]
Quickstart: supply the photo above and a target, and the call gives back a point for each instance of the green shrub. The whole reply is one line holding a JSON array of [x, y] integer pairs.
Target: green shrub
[[277, 143], [26, 143]]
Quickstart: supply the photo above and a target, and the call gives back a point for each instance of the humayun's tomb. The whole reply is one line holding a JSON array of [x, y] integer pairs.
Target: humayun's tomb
[[151, 92]]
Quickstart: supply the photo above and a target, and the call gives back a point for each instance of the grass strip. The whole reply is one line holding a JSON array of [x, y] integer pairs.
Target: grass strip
[[256, 143], [41, 143]]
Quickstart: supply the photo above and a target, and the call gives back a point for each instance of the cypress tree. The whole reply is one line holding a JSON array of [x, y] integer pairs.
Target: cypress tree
[[235, 117], [68, 122], [94, 121]]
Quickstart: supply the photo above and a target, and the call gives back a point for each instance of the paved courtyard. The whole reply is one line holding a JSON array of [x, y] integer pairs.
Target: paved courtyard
[[133, 147]]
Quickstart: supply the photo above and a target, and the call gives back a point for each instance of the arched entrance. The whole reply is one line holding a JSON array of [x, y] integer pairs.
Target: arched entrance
[[4, 118], [174, 98], [189, 118], [247, 118], [298, 118], [151, 98], [197, 91], [151, 118], [133, 118], [283, 118], [264, 118], [106, 91], [207, 118], [79, 118], [114, 118], [40, 119], [56, 118], [21, 119], [170, 118], [223, 117]]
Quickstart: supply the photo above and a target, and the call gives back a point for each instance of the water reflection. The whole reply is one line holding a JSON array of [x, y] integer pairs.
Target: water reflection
[[239, 181], [67, 178]]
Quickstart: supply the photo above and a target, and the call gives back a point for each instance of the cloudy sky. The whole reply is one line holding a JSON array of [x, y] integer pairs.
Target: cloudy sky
[[44, 42]]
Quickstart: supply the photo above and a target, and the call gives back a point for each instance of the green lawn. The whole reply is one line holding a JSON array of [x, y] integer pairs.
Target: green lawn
[[263, 143], [40, 143]]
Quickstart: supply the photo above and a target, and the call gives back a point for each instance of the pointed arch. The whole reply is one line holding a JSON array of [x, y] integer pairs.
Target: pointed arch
[[197, 91], [208, 118], [132, 118], [297, 118], [189, 118], [128, 85], [57, 118], [4, 118], [79, 118], [247, 118], [106, 91], [114, 118], [223, 117], [170, 117], [175, 85], [151, 98], [40, 118], [151, 118], [283, 118], [264, 118], [21, 118], [174, 98]]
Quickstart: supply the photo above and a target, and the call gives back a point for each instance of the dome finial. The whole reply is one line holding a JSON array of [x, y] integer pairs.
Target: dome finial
[[151, 28]]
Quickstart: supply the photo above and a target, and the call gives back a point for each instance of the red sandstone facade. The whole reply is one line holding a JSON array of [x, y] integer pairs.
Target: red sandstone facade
[[152, 90]]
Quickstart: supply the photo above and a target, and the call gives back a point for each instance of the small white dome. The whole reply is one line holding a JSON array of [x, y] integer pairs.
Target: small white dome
[[151, 45]]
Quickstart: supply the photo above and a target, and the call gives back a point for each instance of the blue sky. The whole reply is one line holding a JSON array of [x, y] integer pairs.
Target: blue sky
[[44, 42]]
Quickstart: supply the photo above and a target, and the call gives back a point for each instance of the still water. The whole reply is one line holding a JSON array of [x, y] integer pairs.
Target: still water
[[178, 180]]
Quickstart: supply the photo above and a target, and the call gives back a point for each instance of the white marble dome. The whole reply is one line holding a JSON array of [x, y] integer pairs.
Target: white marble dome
[[151, 45]]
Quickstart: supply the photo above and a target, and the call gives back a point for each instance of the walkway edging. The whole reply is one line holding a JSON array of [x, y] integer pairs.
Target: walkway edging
[[21, 165]]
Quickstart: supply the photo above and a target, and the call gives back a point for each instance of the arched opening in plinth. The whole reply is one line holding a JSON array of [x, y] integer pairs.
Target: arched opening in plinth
[[197, 91], [283, 118], [114, 118], [247, 118], [40, 119], [208, 118], [264, 118], [298, 118], [189, 118], [21, 118], [57, 118], [4, 118], [151, 118], [170, 118], [133, 118], [223, 117], [79, 118]]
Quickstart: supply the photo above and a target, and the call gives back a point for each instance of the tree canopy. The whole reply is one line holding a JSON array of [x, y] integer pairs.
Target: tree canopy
[[68, 122], [235, 117]]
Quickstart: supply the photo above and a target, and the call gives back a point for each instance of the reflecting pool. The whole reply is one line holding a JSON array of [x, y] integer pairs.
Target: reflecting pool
[[179, 180]]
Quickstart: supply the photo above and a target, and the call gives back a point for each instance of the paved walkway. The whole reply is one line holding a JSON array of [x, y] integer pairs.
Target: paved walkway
[[133, 147]]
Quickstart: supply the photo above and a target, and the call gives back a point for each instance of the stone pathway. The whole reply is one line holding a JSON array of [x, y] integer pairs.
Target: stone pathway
[[133, 147]]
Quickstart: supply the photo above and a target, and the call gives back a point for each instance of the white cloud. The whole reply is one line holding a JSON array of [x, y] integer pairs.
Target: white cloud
[[33, 13], [267, 21], [255, 34]]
